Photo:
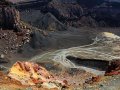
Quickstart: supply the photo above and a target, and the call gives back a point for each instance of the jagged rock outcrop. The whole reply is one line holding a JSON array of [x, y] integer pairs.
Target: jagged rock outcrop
[[90, 3], [113, 68], [69, 12], [29, 73], [38, 39], [65, 10], [77, 13], [13, 32], [87, 21], [49, 22], [10, 18]]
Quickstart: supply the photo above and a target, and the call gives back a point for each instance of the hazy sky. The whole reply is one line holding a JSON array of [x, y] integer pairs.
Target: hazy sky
[[28, 0], [115, 0], [16, 0]]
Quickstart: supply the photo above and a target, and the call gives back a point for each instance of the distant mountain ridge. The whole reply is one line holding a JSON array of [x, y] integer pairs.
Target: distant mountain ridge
[[114, 0], [74, 13], [63, 0]]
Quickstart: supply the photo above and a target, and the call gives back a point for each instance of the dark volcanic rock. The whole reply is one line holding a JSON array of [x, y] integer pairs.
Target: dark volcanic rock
[[43, 21], [13, 32], [77, 13], [113, 68], [38, 40], [10, 18], [86, 21], [90, 3], [49, 22], [65, 10]]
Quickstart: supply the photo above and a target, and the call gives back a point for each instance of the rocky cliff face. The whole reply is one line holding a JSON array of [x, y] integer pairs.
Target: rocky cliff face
[[77, 13], [50, 23], [13, 32], [10, 18], [65, 9]]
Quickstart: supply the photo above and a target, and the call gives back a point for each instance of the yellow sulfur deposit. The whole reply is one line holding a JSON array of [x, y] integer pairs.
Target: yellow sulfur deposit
[[29, 73]]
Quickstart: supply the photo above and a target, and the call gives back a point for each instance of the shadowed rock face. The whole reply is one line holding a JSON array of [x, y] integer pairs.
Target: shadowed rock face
[[91, 63], [77, 13], [14, 1], [90, 3], [50, 23], [13, 32], [113, 68], [9, 17], [65, 9]]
